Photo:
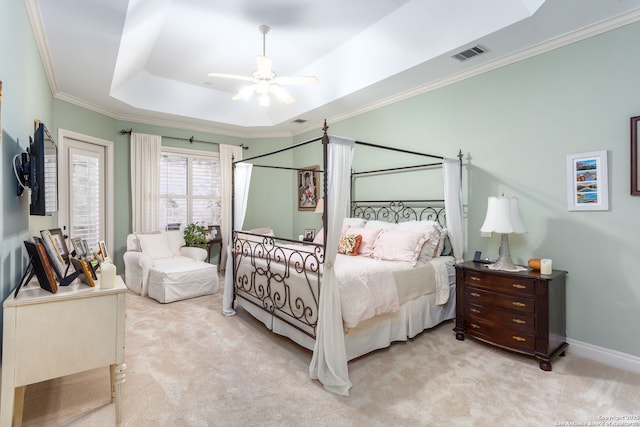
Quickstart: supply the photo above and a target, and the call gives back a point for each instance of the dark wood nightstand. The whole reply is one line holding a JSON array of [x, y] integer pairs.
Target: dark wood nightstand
[[522, 312]]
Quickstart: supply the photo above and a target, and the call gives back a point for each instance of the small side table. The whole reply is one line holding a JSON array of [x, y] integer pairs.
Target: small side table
[[210, 244]]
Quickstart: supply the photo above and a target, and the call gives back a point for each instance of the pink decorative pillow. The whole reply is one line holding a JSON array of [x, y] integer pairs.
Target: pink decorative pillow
[[369, 236], [394, 245], [349, 244]]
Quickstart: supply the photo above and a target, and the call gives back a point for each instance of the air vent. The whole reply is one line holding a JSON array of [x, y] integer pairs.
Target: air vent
[[469, 53], [299, 121]]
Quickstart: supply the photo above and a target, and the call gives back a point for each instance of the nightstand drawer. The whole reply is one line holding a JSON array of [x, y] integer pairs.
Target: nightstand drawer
[[501, 318], [512, 339], [496, 283], [482, 297]]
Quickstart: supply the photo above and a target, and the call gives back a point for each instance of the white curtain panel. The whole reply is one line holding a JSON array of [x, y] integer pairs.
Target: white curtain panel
[[228, 155], [241, 185], [453, 206], [329, 361], [145, 181]]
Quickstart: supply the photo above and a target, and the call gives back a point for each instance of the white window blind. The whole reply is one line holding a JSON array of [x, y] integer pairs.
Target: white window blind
[[85, 198], [190, 189]]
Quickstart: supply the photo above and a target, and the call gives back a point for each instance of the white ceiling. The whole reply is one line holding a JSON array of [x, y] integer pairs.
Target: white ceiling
[[147, 60]]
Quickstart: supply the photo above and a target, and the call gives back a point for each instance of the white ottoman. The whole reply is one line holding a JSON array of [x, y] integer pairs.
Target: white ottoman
[[182, 280]]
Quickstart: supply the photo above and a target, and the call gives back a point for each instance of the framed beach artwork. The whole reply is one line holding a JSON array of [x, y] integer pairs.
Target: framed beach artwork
[[587, 183]]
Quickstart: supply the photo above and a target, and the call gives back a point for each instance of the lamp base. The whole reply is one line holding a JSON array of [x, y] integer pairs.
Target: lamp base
[[504, 257]]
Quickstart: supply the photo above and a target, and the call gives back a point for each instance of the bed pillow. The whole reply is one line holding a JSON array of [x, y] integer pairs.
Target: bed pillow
[[265, 231], [369, 236], [435, 233], [382, 225], [155, 245], [350, 244], [395, 245], [354, 222]]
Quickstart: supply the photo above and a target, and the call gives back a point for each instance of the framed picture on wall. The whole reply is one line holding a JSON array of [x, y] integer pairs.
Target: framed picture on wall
[[635, 156], [307, 185], [587, 183]]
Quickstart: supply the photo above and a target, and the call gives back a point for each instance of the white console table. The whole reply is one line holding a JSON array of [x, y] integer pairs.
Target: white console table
[[49, 335]]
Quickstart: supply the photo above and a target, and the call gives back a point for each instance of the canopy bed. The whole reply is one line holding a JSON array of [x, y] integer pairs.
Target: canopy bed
[[378, 272]]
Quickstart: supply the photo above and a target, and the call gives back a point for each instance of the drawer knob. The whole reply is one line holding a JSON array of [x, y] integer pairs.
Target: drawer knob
[[475, 310], [517, 338], [474, 326], [477, 279], [475, 294], [519, 321], [518, 304], [518, 286]]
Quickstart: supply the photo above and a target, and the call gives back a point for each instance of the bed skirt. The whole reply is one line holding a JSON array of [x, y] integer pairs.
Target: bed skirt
[[379, 332]]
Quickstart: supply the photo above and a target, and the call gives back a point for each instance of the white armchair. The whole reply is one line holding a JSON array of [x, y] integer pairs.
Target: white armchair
[[145, 251]]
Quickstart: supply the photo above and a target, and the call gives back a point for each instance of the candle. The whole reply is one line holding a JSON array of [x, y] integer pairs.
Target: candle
[[545, 266], [107, 275]]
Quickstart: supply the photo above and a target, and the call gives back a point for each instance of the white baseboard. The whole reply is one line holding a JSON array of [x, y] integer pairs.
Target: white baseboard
[[604, 355]]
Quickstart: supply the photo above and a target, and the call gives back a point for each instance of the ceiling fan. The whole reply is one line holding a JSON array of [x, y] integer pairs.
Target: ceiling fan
[[265, 81]]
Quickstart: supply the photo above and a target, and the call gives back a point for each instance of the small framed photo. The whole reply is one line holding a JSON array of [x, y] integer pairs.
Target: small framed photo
[[59, 240], [309, 234], [76, 242], [102, 251], [587, 183], [85, 247], [215, 232]]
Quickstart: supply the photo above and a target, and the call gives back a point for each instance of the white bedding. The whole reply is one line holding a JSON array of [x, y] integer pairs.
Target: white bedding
[[367, 287]]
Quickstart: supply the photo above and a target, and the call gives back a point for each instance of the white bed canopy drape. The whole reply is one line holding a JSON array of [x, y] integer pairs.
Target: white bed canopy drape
[[329, 361], [145, 181], [242, 179], [228, 155], [451, 169]]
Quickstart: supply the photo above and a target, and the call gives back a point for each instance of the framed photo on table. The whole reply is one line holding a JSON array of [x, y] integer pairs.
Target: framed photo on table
[[102, 250], [307, 185], [56, 260], [587, 183], [214, 231], [78, 247], [309, 234], [60, 243]]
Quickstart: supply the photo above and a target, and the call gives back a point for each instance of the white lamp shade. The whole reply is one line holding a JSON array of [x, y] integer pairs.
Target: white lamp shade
[[320, 206], [503, 216]]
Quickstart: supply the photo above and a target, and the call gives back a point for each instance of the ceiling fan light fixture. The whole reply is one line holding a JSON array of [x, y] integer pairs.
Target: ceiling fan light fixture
[[281, 93], [264, 100], [245, 93]]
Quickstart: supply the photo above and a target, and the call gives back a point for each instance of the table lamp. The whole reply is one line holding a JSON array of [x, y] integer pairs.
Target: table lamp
[[503, 217]]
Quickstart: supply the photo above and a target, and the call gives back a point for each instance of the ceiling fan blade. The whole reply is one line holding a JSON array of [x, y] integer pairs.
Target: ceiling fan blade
[[264, 66], [296, 80], [231, 76], [245, 93], [281, 93]]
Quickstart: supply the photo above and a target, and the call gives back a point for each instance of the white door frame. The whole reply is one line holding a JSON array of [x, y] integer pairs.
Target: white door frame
[[63, 184]]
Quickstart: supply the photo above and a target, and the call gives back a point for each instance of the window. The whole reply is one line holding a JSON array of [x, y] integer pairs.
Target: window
[[190, 188]]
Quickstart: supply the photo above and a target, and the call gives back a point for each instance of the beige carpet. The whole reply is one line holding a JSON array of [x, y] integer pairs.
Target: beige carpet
[[187, 365]]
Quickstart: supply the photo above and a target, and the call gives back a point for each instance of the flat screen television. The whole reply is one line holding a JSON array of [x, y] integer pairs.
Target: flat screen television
[[43, 159]]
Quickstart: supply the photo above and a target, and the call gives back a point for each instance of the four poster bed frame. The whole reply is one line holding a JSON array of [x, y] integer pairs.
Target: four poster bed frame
[[279, 280]]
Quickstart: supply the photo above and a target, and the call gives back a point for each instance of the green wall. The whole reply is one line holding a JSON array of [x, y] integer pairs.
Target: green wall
[[515, 126], [25, 97]]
